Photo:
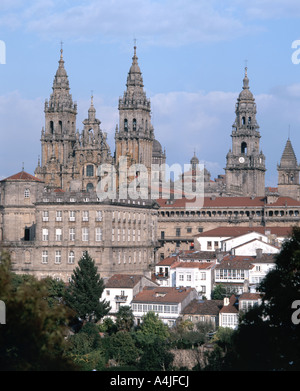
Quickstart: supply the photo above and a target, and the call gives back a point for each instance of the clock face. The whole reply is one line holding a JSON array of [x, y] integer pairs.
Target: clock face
[[241, 159]]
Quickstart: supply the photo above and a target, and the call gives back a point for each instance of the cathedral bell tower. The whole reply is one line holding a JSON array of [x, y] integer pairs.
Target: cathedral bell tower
[[245, 168], [288, 173], [58, 137], [134, 136]]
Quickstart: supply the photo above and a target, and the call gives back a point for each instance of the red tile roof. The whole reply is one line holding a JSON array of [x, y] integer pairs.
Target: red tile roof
[[219, 202], [162, 295], [206, 307], [123, 281], [194, 265], [250, 296], [237, 231], [231, 308], [22, 176]]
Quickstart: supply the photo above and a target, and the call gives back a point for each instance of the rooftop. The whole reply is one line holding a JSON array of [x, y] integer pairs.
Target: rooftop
[[162, 295], [123, 280]]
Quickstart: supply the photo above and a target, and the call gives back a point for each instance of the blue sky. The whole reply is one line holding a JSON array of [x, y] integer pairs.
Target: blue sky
[[192, 55]]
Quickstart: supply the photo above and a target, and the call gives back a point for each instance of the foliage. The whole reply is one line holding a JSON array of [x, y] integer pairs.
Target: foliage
[[124, 319], [108, 326], [121, 347], [219, 292], [33, 337], [152, 325], [156, 356], [85, 290]]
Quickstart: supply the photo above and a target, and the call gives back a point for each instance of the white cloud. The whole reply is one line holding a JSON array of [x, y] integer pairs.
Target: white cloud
[[167, 22]]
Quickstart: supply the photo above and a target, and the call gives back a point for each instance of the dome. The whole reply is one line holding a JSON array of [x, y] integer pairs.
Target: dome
[[156, 149]]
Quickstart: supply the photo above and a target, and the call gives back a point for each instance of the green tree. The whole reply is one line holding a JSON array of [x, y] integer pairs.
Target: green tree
[[152, 325], [85, 290], [219, 292], [33, 338], [121, 347], [124, 318], [156, 356]]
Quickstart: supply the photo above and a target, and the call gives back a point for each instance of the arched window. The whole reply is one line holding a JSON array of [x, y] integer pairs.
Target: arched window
[[89, 187], [134, 124], [244, 148], [51, 127], [243, 120], [125, 125], [60, 126], [89, 170], [249, 120]]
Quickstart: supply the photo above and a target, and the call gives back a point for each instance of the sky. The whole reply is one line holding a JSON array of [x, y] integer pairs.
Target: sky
[[192, 54]]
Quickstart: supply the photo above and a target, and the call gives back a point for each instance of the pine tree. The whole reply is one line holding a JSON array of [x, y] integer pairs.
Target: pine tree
[[85, 290]]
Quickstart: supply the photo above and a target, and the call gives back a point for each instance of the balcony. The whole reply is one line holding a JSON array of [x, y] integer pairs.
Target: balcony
[[121, 298]]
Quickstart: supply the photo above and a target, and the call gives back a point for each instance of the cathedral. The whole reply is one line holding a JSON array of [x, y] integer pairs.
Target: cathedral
[[47, 220], [70, 159]]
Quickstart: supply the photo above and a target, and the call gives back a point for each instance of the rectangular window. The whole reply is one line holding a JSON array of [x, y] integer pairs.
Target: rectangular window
[[85, 234], [99, 215], [209, 245], [189, 277], [189, 230], [203, 276], [85, 215], [45, 215], [90, 170], [98, 234], [45, 235], [72, 215], [181, 277], [58, 234], [58, 215], [71, 258], [57, 256], [177, 231], [112, 234], [45, 256], [72, 234]]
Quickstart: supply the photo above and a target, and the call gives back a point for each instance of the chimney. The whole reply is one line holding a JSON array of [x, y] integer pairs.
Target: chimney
[[259, 253], [226, 301]]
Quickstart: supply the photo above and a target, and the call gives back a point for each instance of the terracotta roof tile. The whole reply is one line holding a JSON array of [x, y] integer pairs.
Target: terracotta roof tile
[[22, 176], [123, 281], [238, 231], [206, 307], [162, 295]]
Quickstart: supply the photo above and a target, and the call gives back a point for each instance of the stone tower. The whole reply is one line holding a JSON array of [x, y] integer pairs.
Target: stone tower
[[245, 168], [59, 135], [135, 135], [90, 150], [288, 173]]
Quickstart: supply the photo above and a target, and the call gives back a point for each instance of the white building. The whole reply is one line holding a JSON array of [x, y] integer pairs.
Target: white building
[[167, 302], [121, 288]]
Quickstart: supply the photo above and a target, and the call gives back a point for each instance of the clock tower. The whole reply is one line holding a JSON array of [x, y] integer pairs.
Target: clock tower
[[245, 167]]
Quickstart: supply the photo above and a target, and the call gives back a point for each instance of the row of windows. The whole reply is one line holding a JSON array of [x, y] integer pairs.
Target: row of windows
[[230, 274], [85, 233], [120, 235], [225, 213], [189, 276], [163, 309], [72, 215], [229, 320], [58, 257]]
